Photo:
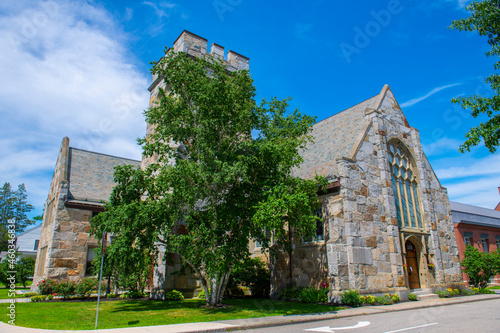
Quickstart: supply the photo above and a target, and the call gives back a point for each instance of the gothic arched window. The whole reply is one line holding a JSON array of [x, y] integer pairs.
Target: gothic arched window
[[405, 186]]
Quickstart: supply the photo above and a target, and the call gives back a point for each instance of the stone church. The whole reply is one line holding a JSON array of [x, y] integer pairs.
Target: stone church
[[386, 221]]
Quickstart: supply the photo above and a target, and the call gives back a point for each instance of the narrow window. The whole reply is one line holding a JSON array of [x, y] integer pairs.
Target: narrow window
[[37, 242], [405, 187], [90, 258], [484, 243], [319, 235]]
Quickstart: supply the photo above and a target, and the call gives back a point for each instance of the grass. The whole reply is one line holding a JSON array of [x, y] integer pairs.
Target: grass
[[4, 293], [130, 313], [495, 287]]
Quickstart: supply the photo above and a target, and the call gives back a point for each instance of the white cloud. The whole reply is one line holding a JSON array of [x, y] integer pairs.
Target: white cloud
[[414, 101], [481, 192], [65, 72], [160, 8], [489, 165], [440, 146]]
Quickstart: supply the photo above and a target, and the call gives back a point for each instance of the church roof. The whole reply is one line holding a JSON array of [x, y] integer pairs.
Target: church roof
[[90, 174], [334, 137]]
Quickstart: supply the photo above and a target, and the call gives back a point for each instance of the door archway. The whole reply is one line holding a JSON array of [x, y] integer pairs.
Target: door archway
[[412, 259]]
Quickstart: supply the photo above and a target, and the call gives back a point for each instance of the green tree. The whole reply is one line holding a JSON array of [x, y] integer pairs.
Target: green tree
[[126, 261], [480, 266], [221, 173], [13, 205], [25, 268], [485, 19]]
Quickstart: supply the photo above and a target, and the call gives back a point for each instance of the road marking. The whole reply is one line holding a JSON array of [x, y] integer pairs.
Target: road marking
[[411, 328], [333, 329]]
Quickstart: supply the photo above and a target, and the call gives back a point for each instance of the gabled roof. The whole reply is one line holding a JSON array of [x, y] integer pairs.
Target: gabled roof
[[335, 137], [463, 213], [90, 174]]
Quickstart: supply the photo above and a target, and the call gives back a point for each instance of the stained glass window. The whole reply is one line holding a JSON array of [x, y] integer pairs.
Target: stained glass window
[[405, 186]]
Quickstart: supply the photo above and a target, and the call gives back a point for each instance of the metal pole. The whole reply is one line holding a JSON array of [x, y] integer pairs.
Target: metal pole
[[100, 279]]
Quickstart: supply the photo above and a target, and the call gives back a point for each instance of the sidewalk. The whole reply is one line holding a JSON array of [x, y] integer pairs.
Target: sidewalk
[[240, 324]]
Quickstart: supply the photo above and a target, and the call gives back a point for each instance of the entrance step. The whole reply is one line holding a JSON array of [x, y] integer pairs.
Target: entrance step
[[424, 294]]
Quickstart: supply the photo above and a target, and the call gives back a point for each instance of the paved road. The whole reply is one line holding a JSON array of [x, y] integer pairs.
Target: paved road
[[473, 317]]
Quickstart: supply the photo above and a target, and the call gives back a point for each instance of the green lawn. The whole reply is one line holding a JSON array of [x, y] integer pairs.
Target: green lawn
[[495, 287], [129, 313], [4, 293]]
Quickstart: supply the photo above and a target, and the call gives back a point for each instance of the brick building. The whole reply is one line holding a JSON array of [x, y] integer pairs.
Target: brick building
[[476, 226]]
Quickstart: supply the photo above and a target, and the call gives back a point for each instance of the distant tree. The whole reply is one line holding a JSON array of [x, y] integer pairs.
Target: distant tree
[[222, 174], [125, 263], [485, 19], [480, 266], [25, 268], [13, 205]]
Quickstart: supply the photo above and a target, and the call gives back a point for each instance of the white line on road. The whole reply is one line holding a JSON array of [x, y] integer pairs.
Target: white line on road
[[411, 328], [333, 329]]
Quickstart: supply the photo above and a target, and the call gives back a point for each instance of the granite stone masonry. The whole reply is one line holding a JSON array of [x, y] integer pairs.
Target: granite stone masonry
[[386, 220], [388, 224], [81, 184]]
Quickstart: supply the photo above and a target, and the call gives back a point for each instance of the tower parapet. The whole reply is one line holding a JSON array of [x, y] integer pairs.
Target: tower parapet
[[195, 46]]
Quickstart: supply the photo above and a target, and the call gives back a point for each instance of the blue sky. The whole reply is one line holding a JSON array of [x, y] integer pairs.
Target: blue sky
[[81, 69]]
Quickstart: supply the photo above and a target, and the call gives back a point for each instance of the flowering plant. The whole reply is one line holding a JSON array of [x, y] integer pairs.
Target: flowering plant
[[430, 266]]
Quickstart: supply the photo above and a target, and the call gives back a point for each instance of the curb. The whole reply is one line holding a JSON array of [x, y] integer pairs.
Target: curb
[[359, 312], [263, 322]]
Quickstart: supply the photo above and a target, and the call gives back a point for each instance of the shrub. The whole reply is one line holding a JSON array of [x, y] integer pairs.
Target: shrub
[[46, 287], [371, 299], [290, 293], [312, 295], [133, 294], [252, 273], [66, 288], [38, 298], [362, 299], [385, 300], [111, 295], [443, 294], [395, 298], [466, 292], [351, 298], [453, 292], [174, 295], [30, 294], [486, 291], [412, 297], [85, 287], [480, 266], [476, 290], [50, 297], [202, 294]]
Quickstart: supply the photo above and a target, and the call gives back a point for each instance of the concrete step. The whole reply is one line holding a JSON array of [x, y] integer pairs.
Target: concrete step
[[427, 297], [424, 294]]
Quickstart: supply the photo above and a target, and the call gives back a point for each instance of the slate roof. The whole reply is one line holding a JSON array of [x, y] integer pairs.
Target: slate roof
[[474, 215], [91, 174], [334, 137]]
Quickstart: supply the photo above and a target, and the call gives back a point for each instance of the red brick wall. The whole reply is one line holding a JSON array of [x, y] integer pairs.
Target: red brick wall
[[461, 228]]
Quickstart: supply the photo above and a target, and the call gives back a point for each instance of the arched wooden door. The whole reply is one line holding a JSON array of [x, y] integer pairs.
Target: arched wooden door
[[412, 265]]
